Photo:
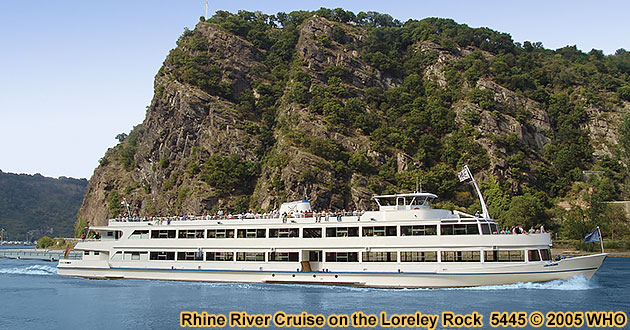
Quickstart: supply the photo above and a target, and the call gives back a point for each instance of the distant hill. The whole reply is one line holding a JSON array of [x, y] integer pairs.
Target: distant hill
[[37, 205], [251, 110]]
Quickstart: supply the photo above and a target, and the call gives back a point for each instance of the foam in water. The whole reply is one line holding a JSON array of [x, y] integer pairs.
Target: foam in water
[[30, 270], [575, 283]]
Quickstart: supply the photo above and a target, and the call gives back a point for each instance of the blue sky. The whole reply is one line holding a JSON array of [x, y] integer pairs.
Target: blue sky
[[74, 74]]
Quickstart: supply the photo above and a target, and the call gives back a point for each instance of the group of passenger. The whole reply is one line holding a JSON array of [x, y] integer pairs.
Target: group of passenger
[[517, 230], [221, 215]]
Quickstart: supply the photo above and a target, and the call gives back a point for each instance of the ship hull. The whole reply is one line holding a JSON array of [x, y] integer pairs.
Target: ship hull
[[442, 275]]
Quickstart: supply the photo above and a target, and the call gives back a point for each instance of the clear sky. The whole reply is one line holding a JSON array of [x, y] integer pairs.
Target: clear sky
[[75, 73]]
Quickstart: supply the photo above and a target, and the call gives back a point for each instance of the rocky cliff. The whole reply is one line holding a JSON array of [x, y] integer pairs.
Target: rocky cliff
[[252, 110]]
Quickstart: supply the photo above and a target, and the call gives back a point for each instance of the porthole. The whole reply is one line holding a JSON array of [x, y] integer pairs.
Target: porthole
[[336, 276]]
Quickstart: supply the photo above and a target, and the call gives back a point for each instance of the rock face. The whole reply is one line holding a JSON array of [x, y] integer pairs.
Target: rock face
[[165, 165]]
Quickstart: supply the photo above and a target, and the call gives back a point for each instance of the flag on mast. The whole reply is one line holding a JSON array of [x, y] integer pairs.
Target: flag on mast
[[592, 236], [464, 175]]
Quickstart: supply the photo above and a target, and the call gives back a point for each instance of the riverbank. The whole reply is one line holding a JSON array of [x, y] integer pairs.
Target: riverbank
[[616, 249]]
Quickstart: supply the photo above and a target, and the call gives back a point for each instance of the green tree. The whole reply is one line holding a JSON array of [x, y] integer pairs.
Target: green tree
[[526, 210], [45, 242], [624, 136]]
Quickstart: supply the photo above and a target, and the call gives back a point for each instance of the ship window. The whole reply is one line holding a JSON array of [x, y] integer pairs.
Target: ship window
[[545, 254], [533, 255], [342, 232], [342, 256], [312, 233], [117, 256], [163, 233], [461, 256], [134, 256], [418, 256], [283, 256], [485, 229], [379, 231], [219, 256], [194, 233], [420, 230], [284, 232], [315, 256], [220, 233], [459, 229], [96, 253], [139, 234], [251, 233], [190, 256], [250, 256], [110, 233], [379, 257], [161, 255], [504, 256], [86, 253]]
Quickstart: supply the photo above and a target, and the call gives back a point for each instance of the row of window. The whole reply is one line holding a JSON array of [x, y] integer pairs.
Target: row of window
[[366, 231], [390, 256]]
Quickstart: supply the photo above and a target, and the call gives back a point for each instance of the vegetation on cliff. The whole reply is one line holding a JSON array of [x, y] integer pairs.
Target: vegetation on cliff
[[34, 205], [251, 110]]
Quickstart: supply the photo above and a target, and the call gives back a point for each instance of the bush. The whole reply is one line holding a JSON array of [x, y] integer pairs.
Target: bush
[[45, 242]]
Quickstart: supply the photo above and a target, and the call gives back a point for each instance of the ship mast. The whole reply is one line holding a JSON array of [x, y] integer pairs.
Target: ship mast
[[466, 174]]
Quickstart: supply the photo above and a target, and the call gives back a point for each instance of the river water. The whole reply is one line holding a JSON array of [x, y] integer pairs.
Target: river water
[[34, 296]]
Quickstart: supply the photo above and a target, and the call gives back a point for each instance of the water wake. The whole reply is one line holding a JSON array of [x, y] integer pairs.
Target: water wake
[[30, 270], [575, 283]]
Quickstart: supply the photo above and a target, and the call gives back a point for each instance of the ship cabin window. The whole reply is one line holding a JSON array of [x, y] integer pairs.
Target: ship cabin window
[[139, 234], [195, 233], [342, 232], [488, 228], [190, 256], [459, 229], [419, 201], [110, 234], [251, 233], [283, 256], [97, 253], [418, 256], [504, 256], [163, 233], [342, 256], [379, 257], [461, 256], [532, 255], [219, 256], [220, 233], [86, 253], [379, 231], [419, 230], [315, 256], [312, 233], [250, 256], [284, 232], [161, 255], [134, 256], [545, 254]]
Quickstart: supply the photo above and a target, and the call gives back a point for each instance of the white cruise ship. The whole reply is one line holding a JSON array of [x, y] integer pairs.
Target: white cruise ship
[[405, 244]]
